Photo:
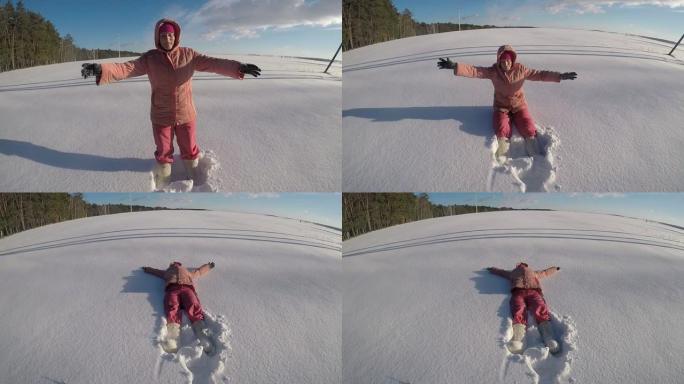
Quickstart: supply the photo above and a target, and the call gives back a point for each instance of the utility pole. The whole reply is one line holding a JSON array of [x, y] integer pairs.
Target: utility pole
[[118, 39], [459, 19], [675, 47]]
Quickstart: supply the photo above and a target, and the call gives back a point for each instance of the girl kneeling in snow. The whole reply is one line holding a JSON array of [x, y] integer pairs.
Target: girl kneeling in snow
[[527, 292], [170, 69], [508, 77], [181, 294]]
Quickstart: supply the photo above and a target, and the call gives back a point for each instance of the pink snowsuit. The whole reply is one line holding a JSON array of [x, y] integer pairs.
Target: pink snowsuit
[[526, 292], [509, 98], [170, 74], [180, 292]]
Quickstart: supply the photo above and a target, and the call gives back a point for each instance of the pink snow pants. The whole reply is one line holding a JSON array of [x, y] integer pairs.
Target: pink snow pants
[[185, 135], [182, 297], [532, 299], [522, 119]]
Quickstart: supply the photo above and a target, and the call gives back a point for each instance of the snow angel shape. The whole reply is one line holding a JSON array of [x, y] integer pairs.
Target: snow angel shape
[[527, 293], [170, 68], [508, 77], [181, 294]]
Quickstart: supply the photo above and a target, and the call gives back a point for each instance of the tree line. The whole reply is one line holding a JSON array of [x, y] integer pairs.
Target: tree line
[[27, 39], [365, 212], [366, 22], [23, 211]]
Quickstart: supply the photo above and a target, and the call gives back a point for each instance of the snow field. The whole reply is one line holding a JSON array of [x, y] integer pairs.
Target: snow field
[[278, 132], [83, 311], [408, 126], [420, 307]]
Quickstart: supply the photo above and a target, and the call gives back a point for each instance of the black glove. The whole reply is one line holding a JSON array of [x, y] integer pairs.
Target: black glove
[[569, 76], [557, 268], [250, 69], [211, 264], [446, 64], [91, 69]]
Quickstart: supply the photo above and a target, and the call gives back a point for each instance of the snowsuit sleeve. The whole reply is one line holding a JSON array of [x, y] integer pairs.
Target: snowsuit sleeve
[[203, 270], [500, 272], [546, 273], [156, 272], [468, 70], [120, 71], [223, 67], [536, 75]]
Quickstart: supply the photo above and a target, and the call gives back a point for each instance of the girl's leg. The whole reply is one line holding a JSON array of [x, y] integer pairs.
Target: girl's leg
[[172, 307], [518, 308], [185, 135], [502, 124], [191, 304], [524, 123], [538, 306], [163, 139]]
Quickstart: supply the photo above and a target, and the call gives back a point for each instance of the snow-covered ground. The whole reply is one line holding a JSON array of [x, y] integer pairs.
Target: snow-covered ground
[[408, 126], [77, 308], [279, 132], [419, 306]]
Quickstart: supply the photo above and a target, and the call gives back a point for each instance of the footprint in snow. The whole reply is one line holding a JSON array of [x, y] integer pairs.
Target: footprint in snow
[[522, 172], [196, 365], [536, 365], [205, 176]]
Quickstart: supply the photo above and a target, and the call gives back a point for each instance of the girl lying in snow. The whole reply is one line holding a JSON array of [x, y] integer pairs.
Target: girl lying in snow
[[508, 77], [170, 69], [526, 292], [181, 294]]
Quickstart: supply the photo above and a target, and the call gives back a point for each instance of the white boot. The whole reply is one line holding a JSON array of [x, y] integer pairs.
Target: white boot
[[170, 342], [204, 336], [162, 175], [547, 335], [515, 345], [191, 167], [531, 146], [502, 149]]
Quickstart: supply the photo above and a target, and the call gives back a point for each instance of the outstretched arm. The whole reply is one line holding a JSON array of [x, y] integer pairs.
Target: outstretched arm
[[152, 271], [537, 75], [224, 67], [120, 71], [203, 270], [547, 272], [499, 272], [466, 70]]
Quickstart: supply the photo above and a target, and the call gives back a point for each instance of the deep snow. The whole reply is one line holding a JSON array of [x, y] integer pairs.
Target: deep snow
[[419, 306], [279, 132], [408, 126], [77, 307]]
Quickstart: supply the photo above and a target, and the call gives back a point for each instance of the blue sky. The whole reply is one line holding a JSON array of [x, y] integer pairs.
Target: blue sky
[[323, 208], [663, 207], [309, 28], [656, 18]]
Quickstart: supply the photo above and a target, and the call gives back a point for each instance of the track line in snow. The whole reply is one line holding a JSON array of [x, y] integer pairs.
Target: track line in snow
[[608, 236], [528, 174], [536, 363]]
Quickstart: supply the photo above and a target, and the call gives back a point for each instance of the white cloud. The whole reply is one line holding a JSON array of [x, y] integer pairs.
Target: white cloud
[[248, 18], [599, 6], [267, 195]]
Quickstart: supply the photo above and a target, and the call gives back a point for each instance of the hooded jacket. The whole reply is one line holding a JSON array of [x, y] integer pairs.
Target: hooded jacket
[[178, 274], [524, 277], [170, 74], [508, 92]]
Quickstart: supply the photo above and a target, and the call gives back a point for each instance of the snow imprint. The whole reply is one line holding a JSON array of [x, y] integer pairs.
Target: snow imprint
[[198, 367], [206, 179], [525, 173], [536, 365]]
